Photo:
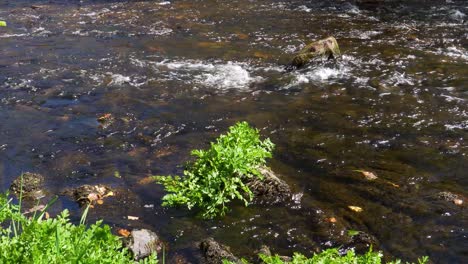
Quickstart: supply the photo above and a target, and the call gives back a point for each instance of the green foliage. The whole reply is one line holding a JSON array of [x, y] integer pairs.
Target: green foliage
[[39, 240], [217, 175], [331, 256], [3, 24]]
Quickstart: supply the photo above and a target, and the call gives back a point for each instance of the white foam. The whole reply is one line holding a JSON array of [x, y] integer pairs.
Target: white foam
[[319, 74], [223, 76], [118, 79], [228, 76]]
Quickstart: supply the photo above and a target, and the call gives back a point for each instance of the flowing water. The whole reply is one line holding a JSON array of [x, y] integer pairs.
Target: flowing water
[[176, 74]]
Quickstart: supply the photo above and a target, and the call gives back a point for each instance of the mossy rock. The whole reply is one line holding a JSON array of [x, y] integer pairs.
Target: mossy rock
[[326, 48], [215, 253], [29, 184], [269, 190]]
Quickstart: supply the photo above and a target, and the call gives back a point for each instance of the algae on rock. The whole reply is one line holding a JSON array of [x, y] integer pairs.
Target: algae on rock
[[325, 48]]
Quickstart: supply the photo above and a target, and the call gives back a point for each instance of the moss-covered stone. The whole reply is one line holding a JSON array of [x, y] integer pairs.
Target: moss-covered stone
[[29, 184], [326, 48]]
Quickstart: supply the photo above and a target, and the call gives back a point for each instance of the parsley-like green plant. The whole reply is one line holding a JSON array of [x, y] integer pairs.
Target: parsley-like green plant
[[330, 256], [218, 175], [56, 240]]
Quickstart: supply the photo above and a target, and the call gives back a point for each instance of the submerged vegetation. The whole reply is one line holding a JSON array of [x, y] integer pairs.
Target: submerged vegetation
[[39, 239], [329, 256], [217, 175]]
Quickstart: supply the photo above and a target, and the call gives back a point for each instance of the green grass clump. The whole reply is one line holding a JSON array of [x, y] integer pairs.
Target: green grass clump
[[217, 175], [56, 240], [330, 256]]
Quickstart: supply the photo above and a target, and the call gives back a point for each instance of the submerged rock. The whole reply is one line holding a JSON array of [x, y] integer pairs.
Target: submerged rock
[[265, 250], [87, 194], [215, 253], [326, 48], [29, 184], [143, 242], [269, 190], [361, 242]]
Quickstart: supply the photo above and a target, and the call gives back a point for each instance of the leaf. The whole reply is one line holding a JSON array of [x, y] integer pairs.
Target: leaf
[[111, 193], [100, 201], [356, 209], [123, 232], [392, 184], [368, 175], [331, 220], [3, 24], [458, 201], [105, 118], [353, 233]]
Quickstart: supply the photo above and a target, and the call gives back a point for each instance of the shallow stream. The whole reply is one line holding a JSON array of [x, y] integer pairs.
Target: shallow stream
[[176, 74]]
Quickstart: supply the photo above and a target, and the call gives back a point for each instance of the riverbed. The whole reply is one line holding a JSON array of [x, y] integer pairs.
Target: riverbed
[[173, 75]]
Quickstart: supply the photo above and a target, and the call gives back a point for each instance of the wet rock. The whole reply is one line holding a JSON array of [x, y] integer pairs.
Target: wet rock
[[450, 197], [143, 242], [265, 250], [215, 253], [29, 184], [361, 242], [87, 194], [269, 190], [326, 48]]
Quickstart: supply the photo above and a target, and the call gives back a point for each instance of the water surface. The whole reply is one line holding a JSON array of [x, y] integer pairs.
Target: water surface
[[176, 74]]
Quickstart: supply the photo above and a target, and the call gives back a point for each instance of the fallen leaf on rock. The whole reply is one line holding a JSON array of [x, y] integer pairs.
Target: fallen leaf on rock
[[133, 217], [111, 193], [458, 201], [368, 175], [123, 232], [100, 201], [104, 117], [356, 209]]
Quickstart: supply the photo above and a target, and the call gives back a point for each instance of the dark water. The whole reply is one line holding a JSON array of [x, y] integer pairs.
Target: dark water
[[176, 74]]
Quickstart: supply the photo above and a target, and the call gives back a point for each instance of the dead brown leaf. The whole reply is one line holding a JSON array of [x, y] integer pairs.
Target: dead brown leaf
[[104, 118], [368, 175], [356, 209], [100, 201], [123, 232]]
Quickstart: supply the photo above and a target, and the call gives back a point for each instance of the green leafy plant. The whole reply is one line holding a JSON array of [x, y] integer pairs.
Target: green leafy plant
[[56, 240], [218, 174], [330, 256], [3, 23]]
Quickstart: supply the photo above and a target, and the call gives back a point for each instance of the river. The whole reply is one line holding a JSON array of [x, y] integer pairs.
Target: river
[[175, 74]]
